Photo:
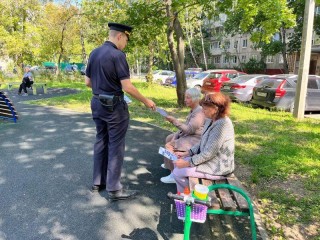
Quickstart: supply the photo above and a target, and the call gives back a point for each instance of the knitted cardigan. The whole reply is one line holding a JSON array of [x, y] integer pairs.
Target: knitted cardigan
[[215, 153]]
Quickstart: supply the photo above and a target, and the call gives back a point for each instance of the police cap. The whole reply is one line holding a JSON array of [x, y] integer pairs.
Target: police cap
[[120, 27]]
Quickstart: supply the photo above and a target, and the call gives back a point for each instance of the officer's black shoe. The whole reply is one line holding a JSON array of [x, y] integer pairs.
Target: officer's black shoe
[[122, 194], [98, 188]]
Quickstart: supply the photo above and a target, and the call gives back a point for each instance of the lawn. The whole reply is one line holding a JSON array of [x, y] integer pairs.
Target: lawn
[[280, 155]]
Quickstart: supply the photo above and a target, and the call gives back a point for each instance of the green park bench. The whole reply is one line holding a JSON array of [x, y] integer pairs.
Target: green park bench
[[228, 198], [34, 86]]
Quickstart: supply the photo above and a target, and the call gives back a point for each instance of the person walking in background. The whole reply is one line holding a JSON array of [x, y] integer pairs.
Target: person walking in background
[[27, 81], [108, 75], [189, 132], [213, 157]]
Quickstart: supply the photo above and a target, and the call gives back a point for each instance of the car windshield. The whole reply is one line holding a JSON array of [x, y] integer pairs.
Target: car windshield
[[215, 75], [271, 83], [200, 75], [313, 82], [241, 79]]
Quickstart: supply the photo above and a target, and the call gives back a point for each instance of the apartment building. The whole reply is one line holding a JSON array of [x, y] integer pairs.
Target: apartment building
[[232, 51]]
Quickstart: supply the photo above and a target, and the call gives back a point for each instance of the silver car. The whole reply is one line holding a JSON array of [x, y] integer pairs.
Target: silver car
[[279, 92], [240, 88]]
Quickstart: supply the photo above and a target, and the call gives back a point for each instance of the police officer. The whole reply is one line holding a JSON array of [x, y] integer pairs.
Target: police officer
[[108, 75]]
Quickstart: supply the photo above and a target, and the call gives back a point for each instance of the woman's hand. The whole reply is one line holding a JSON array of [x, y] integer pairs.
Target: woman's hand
[[170, 118], [181, 163], [181, 154]]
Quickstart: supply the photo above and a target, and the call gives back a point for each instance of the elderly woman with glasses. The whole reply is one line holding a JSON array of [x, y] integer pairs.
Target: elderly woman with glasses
[[189, 132], [213, 157]]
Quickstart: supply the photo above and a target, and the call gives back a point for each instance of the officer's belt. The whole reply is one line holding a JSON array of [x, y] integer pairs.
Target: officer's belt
[[116, 98]]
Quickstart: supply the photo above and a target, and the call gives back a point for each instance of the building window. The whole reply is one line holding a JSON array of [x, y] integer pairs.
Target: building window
[[244, 43], [218, 30], [254, 56], [216, 59], [269, 59], [276, 37], [243, 58], [216, 45], [225, 59], [317, 11], [227, 44], [280, 59], [234, 59], [235, 44], [209, 61]]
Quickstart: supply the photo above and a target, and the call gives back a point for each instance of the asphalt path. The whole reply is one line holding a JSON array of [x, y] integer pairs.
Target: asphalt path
[[46, 175]]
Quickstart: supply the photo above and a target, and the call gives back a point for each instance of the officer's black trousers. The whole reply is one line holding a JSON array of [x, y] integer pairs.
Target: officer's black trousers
[[109, 146]]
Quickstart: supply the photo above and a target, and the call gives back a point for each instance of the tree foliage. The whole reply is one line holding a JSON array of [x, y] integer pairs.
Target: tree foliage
[[262, 19], [165, 32], [298, 7], [18, 29]]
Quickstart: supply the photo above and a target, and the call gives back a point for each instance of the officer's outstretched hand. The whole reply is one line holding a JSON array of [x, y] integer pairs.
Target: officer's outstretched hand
[[150, 104]]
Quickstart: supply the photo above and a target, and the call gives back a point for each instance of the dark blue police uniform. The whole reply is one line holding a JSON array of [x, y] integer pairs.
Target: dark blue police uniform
[[106, 68]]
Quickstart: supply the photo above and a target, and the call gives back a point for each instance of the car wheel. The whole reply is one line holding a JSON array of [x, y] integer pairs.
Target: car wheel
[[254, 106]]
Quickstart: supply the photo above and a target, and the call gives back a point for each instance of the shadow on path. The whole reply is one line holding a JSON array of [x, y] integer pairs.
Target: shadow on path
[[46, 173]]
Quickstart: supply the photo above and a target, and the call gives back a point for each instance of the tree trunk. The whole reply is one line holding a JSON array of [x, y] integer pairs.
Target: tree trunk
[[190, 46], [83, 49], [203, 51], [149, 77], [284, 50], [177, 55], [191, 50], [61, 48]]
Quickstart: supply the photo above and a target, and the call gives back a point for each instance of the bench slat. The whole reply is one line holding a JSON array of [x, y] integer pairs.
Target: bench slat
[[214, 199], [226, 199], [242, 203]]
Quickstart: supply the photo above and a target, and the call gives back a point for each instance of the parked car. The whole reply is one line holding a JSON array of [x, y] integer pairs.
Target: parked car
[[160, 76], [214, 75], [172, 81], [240, 88], [279, 92], [214, 81]]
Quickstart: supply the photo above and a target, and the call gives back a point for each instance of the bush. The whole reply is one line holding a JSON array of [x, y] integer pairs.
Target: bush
[[254, 66]]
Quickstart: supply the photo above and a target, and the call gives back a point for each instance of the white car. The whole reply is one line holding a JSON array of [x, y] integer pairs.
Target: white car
[[160, 76], [197, 80]]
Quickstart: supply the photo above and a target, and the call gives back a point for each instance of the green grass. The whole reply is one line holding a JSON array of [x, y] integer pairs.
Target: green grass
[[277, 149]]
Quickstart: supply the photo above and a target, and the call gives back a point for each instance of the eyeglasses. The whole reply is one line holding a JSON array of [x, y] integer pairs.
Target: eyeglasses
[[207, 99]]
